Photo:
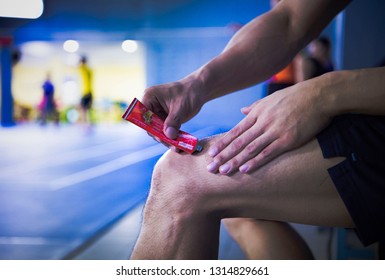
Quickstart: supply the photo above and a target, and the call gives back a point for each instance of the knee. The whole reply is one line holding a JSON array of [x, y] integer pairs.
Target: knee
[[173, 186]]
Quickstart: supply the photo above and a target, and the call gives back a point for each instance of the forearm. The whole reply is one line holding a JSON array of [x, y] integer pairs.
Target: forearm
[[266, 45], [255, 53], [359, 91]]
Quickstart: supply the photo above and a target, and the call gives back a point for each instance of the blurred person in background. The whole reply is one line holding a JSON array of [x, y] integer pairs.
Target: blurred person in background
[[86, 100], [317, 60], [47, 104]]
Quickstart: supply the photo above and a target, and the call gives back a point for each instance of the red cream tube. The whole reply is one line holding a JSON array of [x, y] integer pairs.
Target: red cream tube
[[139, 115]]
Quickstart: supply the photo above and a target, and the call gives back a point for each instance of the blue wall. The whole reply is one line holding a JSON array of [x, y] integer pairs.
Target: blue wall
[[364, 34], [170, 58]]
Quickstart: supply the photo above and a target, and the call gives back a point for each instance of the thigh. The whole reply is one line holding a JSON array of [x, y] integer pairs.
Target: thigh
[[294, 187]]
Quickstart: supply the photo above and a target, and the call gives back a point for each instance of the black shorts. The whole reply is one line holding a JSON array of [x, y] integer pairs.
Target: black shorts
[[360, 179], [86, 101]]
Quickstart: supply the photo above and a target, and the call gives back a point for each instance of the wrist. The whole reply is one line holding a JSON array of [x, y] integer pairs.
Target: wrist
[[198, 84], [195, 89], [333, 86]]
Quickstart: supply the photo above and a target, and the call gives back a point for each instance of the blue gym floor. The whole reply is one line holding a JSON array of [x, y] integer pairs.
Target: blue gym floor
[[61, 187]]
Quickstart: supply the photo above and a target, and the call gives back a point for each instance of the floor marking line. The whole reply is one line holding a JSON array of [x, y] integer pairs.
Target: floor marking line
[[108, 167], [113, 165], [18, 240], [64, 158]]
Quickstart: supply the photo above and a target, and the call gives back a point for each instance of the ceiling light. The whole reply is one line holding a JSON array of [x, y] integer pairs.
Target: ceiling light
[[129, 46], [21, 8], [71, 46]]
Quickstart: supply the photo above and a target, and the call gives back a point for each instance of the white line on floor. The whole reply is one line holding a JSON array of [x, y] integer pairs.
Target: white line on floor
[[108, 167], [114, 165], [17, 240], [64, 158]]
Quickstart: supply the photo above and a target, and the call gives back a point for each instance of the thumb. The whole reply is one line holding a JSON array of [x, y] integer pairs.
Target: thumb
[[172, 125]]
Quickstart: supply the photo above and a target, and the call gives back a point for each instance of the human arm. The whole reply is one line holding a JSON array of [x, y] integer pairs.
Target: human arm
[[257, 51], [267, 44], [293, 116]]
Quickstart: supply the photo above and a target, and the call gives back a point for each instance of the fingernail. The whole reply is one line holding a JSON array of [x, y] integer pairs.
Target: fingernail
[[224, 169], [171, 132], [212, 167], [244, 110], [213, 151], [244, 168]]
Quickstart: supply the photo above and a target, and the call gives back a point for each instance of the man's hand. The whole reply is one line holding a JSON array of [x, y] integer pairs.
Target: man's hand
[[175, 102], [273, 125]]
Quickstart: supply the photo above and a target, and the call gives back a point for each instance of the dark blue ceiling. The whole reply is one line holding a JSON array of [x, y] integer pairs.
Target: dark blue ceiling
[[132, 15]]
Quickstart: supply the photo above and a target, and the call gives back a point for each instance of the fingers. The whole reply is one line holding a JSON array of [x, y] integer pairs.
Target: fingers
[[248, 146], [149, 99], [267, 154], [236, 147], [246, 110], [164, 109], [230, 136], [172, 125], [152, 103], [242, 155]]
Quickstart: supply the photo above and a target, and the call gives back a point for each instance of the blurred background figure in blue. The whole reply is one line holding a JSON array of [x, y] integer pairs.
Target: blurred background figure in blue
[[47, 105]]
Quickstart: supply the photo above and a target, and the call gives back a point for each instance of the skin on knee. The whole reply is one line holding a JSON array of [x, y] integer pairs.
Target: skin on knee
[[186, 202], [175, 214]]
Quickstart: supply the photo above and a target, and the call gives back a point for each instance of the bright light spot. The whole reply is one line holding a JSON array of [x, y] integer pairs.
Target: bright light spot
[[71, 46], [21, 8], [129, 46]]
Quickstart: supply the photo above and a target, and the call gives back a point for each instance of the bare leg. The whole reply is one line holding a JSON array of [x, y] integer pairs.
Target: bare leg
[[186, 203], [267, 240], [84, 116]]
